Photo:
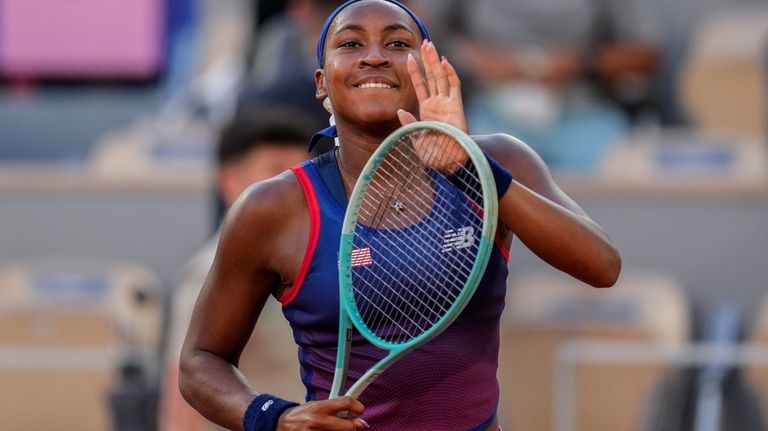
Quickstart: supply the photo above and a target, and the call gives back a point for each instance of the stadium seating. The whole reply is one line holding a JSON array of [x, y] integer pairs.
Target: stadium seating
[[756, 376], [546, 310], [726, 69], [67, 326]]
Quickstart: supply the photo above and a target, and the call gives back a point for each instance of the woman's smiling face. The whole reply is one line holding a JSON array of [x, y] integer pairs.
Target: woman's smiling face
[[365, 73]]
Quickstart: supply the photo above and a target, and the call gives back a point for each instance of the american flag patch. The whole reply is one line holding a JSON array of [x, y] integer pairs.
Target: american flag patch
[[360, 257]]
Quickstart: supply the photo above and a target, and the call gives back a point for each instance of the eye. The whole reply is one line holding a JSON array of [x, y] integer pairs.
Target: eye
[[349, 44], [399, 44]]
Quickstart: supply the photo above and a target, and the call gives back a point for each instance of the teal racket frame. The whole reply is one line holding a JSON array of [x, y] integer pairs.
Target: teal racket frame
[[349, 315]]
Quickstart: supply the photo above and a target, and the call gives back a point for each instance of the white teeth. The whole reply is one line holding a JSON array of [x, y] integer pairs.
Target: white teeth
[[374, 85]]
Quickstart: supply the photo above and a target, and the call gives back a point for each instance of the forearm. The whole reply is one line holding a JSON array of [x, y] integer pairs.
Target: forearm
[[215, 388], [568, 241]]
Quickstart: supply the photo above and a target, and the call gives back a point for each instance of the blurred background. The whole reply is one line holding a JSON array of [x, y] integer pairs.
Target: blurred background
[[127, 128]]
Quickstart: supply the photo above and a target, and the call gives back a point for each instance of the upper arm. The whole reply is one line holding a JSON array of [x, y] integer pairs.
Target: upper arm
[[242, 276], [527, 167]]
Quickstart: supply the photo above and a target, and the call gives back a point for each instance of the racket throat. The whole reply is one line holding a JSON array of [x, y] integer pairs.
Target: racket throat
[[342, 360], [364, 382]]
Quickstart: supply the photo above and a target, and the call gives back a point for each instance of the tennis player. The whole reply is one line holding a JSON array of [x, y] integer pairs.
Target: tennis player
[[379, 71]]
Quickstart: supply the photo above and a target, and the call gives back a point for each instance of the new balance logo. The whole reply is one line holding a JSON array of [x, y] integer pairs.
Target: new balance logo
[[457, 239], [360, 257]]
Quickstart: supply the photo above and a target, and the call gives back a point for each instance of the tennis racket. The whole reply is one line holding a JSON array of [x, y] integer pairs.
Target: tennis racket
[[415, 242]]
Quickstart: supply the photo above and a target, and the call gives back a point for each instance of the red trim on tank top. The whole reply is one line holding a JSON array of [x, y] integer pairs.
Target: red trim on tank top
[[497, 239], [502, 248], [314, 234]]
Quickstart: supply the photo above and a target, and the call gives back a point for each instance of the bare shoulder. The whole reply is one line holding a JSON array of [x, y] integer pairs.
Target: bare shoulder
[[244, 273], [266, 213], [512, 153], [279, 196]]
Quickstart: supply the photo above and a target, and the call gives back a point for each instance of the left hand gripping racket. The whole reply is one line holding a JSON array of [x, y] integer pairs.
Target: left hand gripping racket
[[415, 242]]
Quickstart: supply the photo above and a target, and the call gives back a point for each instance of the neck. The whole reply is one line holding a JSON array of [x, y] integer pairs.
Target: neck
[[348, 173], [367, 133], [356, 144], [345, 171], [352, 154]]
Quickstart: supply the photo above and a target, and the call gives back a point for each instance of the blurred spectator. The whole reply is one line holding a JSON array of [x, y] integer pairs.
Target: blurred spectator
[[264, 10], [284, 59], [567, 76], [256, 145], [286, 42], [281, 126]]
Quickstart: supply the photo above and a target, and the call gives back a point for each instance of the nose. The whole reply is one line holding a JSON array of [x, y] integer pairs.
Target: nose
[[373, 56]]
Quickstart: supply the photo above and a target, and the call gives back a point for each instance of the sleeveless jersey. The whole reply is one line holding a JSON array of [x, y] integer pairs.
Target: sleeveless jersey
[[447, 384]]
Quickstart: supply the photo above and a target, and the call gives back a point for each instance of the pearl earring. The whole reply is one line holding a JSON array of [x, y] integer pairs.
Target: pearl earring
[[332, 121], [327, 105]]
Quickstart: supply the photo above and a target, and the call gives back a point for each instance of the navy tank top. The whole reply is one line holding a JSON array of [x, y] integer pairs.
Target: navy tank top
[[447, 384]]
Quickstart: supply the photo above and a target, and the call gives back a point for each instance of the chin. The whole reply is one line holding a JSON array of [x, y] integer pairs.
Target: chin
[[381, 125], [377, 114]]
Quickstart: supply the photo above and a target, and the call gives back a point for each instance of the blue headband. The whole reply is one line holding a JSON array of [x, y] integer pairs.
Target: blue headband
[[332, 16], [330, 132]]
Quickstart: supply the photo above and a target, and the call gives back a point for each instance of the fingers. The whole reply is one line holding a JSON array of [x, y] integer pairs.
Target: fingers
[[441, 76], [348, 410], [345, 404], [360, 423], [422, 92], [325, 415], [429, 67], [437, 88], [437, 77], [405, 117], [453, 79]]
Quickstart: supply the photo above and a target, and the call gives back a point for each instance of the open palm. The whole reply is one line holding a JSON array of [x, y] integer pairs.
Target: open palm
[[438, 91]]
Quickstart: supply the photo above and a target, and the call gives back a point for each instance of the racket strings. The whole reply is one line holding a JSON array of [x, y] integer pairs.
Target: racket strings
[[441, 218], [397, 190], [422, 309], [459, 266], [394, 296], [466, 180], [429, 311], [393, 184], [419, 278], [419, 315], [461, 174]]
